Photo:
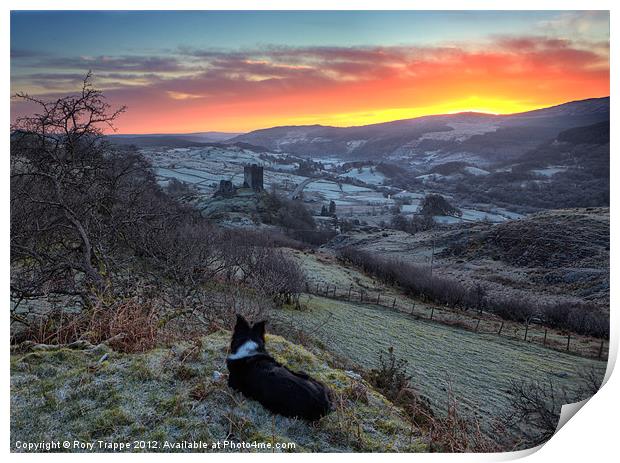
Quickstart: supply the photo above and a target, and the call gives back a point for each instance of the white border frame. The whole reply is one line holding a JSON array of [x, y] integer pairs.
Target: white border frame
[[589, 436]]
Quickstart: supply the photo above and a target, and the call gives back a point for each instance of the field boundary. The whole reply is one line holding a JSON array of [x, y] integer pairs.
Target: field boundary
[[482, 322]]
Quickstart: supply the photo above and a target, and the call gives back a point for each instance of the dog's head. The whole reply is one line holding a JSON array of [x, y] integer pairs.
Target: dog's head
[[247, 340]]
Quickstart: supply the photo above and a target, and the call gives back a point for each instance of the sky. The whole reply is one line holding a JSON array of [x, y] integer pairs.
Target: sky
[[194, 71]]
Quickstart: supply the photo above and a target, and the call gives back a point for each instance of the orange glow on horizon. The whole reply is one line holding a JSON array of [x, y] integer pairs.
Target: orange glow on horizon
[[229, 119], [486, 88], [353, 86]]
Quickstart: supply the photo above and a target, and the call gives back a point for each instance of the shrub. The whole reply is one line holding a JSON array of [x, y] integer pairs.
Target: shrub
[[417, 223], [288, 214], [538, 405], [435, 204], [391, 376], [127, 325]]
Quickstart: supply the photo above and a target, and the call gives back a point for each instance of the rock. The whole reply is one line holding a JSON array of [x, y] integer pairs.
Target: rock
[[353, 375]]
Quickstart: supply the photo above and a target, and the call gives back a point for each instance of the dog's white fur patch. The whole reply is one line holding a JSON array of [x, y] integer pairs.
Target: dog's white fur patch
[[247, 349]]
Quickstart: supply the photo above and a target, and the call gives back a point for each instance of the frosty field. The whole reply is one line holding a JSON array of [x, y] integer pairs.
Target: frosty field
[[478, 367], [204, 167]]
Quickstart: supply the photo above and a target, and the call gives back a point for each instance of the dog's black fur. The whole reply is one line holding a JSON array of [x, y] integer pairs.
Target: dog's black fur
[[259, 377]]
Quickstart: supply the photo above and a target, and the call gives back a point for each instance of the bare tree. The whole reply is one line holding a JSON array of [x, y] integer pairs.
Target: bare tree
[[65, 184], [88, 219]]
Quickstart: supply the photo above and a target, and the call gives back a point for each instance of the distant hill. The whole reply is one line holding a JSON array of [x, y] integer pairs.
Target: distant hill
[[584, 148], [489, 138], [572, 238], [195, 136], [174, 141], [181, 140], [596, 134], [156, 140], [210, 136]]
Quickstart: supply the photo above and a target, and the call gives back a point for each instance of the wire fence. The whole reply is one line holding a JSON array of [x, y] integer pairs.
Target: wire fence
[[479, 322]]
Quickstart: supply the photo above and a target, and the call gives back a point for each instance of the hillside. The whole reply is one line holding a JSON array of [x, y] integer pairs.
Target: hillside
[[477, 368], [172, 395], [485, 137], [576, 238], [558, 253]]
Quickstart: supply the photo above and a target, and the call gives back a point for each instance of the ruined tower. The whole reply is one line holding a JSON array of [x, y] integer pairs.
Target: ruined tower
[[227, 189], [253, 177]]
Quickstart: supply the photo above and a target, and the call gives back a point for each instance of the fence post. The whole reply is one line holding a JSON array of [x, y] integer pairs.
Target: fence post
[[394, 303], [432, 312], [499, 333], [412, 307], [477, 325], [568, 343], [334, 293], [349, 296], [361, 295], [545, 338], [378, 298], [600, 349], [317, 287], [527, 325]]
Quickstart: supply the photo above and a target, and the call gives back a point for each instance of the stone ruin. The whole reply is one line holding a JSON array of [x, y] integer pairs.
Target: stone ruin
[[226, 189], [253, 177]]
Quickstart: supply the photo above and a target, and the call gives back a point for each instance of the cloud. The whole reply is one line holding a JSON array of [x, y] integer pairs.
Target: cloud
[[203, 83], [133, 63], [182, 96], [577, 25], [209, 71]]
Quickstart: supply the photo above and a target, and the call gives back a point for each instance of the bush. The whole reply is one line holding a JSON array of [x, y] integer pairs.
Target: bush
[[129, 325], [417, 223], [90, 223], [286, 213], [538, 404], [435, 204], [391, 376], [312, 237]]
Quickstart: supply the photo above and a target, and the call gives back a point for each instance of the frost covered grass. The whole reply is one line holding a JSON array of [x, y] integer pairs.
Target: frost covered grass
[[169, 394], [550, 171], [480, 367], [205, 167], [367, 175]]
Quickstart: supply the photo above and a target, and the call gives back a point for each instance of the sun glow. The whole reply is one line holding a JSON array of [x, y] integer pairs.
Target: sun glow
[[237, 87], [474, 104]]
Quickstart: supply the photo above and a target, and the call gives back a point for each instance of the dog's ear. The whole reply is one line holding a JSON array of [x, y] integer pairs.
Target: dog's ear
[[259, 329], [242, 326]]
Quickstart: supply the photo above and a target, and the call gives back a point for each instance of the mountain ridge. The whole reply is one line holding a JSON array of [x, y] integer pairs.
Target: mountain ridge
[[444, 134]]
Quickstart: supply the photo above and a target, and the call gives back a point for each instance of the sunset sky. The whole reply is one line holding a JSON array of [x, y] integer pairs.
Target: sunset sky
[[238, 71]]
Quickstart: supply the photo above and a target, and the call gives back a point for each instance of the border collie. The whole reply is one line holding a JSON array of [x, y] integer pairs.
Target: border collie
[[256, 374]]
